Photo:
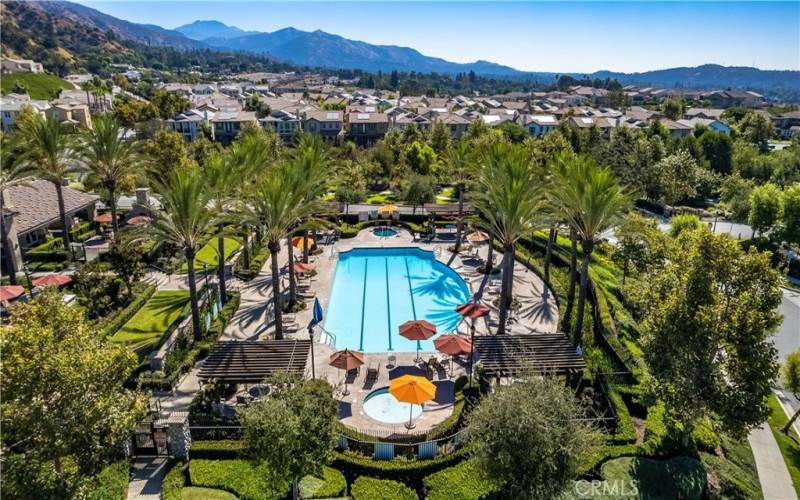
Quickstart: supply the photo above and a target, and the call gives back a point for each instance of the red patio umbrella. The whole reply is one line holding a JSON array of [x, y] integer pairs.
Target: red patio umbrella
[[452, 345], [104, 218], [52, 280], [9, 292], [418, 329], [472, 310], [139, 220], [302, 267], [346, 360]]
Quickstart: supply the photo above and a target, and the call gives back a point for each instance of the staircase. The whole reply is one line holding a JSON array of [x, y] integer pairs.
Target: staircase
[[155, 277]]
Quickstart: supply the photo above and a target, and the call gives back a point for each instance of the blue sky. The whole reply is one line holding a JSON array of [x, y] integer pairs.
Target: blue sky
[[533, 36]]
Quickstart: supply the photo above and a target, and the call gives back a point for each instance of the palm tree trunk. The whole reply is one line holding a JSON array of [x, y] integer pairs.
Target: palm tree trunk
[[508, 273], [305, 247], [548, 255], [788, 425], [246, 250], [112, 203], [7, 250], [62, 213], [223, 293], [489, 255], [193, 294], [577, 333], [459, 223], [274, 247], [573, 277], [292, 282], [505, 288]]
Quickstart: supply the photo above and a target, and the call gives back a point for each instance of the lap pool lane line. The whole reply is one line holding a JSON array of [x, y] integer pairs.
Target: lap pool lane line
[[411, 294], [388, 304], [363, 305]]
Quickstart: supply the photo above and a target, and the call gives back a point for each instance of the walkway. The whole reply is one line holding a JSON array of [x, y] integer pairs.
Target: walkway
[[148, 473], [776, 483]]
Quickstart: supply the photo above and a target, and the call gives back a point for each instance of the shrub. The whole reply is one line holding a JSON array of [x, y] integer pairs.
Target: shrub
[[409, 472], [679, 477], [109, 325], [462, 481], [735, 474], [625, 433], [367, 488], [111, 483], [173, 482], [247, 480], [217, 450], [332, 484]]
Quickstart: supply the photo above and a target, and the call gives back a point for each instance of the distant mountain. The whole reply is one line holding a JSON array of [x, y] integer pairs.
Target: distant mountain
[[202, 30]]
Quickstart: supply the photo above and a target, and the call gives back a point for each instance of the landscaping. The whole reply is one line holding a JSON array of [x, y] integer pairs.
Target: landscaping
[[367, 488], [146, 328], [208, 256], [247, 480], [332, 484], [38, 85], [789, 444]]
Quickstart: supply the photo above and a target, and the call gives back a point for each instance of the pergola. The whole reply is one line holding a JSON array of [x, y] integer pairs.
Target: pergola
[[250, 362], [446, 209], [507, 355]]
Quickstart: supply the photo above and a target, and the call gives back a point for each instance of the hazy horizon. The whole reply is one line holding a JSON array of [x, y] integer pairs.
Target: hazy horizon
[[573, 37]]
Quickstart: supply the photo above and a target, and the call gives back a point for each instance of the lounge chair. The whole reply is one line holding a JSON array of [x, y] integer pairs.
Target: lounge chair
[[373, 370]]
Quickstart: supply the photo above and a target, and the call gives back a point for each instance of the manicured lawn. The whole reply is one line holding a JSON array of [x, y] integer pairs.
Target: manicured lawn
[[382, 198], [789, 444], [154, 319], [446, 195], [194, 493], [208, 255], [39, 85]]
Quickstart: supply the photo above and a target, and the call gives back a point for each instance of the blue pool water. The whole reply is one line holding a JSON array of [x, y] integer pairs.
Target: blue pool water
[[383, 407], [384, 232], [375, 290]]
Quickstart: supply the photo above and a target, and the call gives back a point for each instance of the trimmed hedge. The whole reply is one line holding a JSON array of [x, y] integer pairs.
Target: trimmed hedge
[[462, 481], [679, 477], [258, 256], [625, 432], [173, 482], [368, 488], [110, 324], [217, 450], [111, 483], [245, 479], [409, 472], [332, 484]]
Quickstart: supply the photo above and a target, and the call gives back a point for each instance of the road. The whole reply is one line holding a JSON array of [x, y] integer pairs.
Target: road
[[787, 338]]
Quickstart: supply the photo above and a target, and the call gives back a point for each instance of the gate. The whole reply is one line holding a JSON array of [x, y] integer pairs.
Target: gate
[[149, 439]]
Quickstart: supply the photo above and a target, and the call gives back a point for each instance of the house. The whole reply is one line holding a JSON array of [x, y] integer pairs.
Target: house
[[11, 106], [785, 123], [226, 125], [709, 113], [71, 113], [731, 98], [365, 128], [326, 124], [10, 65], [455, 123], [539, 125], [285, 123], [605, 125], [402, 120], [676, 128], [31, 213], [714, 125], [188, 123]]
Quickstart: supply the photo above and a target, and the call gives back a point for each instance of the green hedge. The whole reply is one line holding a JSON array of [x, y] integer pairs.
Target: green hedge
[[462, 481], [109, 325], [332, 484], [678, 477], [247, 480], [736, 474], [410, 472], [217, 450], [111, 483], [258, 256], [626, 432], [368, 488], [173, 482]]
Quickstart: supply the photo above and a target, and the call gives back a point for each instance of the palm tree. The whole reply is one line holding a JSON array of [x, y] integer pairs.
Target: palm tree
[[461, 170], [11, 174], [110, 159], [184, 219], [509, 195], [592, 201], [50, 153]]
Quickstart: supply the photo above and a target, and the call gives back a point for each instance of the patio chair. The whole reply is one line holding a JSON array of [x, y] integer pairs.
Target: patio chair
[[392, 361], [373, 370]]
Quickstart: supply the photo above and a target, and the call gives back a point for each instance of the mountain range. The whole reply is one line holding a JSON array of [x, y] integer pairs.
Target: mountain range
[[325, 50]]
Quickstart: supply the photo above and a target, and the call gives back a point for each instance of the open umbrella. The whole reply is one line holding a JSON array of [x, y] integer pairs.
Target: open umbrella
[[412, 389], [139, 220], [302, 267], [472, 310], [452, 345], [388, 209], [104, 218], [477, 237], [52, 280], [346, 360], [9, 292], [418, 329], [299, 242]]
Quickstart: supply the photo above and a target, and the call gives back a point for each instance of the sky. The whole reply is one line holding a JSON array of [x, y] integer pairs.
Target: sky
[[570, 36]]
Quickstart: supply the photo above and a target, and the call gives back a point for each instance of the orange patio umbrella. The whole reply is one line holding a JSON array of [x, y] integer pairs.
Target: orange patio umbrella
[[10, 292], [412, 389], [477, 237], [299, 242], [452, 345], [52, 280], [388, 209], [302, 267], [472, 310], [417, 329], [346, 360], [139, 220], [104, 218]]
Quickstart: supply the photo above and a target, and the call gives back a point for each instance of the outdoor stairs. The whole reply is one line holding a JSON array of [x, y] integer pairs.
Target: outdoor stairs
[[156, 278]]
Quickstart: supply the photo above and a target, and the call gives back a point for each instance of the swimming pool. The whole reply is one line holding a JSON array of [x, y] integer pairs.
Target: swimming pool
[[375, 290], [384, 232], [380, 405]]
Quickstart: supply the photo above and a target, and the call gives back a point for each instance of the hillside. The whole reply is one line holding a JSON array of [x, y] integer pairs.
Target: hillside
[[203, 30], [39, 86]]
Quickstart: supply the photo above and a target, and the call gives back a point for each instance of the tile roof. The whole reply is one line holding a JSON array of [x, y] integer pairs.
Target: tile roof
[[36, 205]]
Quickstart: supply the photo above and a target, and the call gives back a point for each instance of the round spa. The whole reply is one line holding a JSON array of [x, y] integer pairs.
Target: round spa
[[381, 406], [384, 232]]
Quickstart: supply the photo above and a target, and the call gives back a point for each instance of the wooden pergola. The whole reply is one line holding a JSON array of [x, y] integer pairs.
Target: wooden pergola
[[250, 362], [508, 355], [446, 209]]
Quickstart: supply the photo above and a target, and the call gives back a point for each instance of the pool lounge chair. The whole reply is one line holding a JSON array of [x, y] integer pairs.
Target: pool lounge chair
[[373, 370]]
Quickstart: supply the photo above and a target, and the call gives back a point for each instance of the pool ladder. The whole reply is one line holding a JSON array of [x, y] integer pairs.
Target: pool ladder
[[329, 338]]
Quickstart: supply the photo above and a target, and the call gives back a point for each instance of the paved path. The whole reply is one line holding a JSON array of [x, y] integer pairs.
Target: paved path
[[776, 483], [148, 473], [787, 338]]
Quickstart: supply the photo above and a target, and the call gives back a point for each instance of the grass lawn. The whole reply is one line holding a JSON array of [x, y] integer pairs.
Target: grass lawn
[[382, 198], [446, 195], [194, 493], [208, 255], [154, 319], [39, 85], [789, 445]]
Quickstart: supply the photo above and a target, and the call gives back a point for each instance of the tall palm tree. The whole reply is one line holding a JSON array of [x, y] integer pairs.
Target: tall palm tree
[[110, 158], [461, 173], [509, 195], [50, 152], [11, 174], [592, 201], [184, 219]]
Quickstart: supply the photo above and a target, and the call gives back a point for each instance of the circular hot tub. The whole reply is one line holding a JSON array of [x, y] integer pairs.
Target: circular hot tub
[[381, 406], [384, 232]]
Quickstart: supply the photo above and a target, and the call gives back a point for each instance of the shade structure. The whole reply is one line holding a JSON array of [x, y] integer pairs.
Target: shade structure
[[104, 218], [300, 242], [346, 360], [418, 329], [302, 267], [412, 389], [453, 345], [10, 292], [472, 310], [52, 280], [477, 237], [388, 209], [139, 220]]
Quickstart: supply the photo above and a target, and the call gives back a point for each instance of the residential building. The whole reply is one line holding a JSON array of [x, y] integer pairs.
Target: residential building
[[10, 65], [677, 128], [708, 113], [71, 113], [285, 123], [326, 124], [403, 120], [455, 123], [786, 124], [12, 104], [539, 125], [714, 125], [605, 125], [189, 123], [226, 125], [365, 128]]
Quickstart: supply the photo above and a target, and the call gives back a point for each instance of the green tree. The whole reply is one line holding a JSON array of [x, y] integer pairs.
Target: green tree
[[682, 223], [12, 174], [756, 129], [706, 333], [735, 193], [350, 184], [790, 381], [421, 158], [672, 108], [50, 153], [717, 150], [529, 438], [461, 172], [440, 138], [96, 290], [169, 104], [639, 244], [790, 215], [292, 430], [125, 257], [765, 208], [418, 191], [111, 159], [128, 112], [513, 132], [678, 177], [63, 400], [166, 152]]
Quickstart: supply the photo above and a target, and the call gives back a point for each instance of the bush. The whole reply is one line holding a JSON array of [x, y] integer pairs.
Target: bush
[[679, 477], [247, 480], [109, 325], [258, 256], [173, 482], [217, 450], [111, 483], [462, 481], [367, 488], [625, 433], [332, 484], [409, 472], [735, 474]]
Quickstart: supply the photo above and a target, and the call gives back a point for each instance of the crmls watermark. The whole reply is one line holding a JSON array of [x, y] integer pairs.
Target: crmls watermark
[[617, 488]]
